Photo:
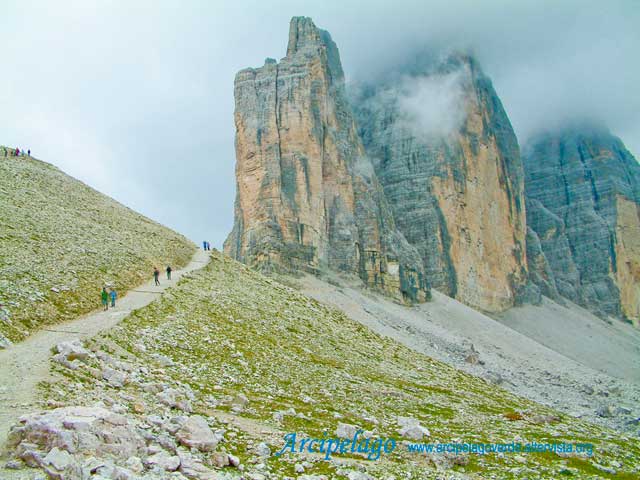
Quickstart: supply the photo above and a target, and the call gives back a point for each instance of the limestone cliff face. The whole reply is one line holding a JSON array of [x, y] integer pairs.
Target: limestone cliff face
[[307, 195], [417, 180], [583, 203], [456, 192]]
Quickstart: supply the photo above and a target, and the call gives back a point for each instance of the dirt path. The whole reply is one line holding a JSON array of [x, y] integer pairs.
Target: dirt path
[[25, 364]]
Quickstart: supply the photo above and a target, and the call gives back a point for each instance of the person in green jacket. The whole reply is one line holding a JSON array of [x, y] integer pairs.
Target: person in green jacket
[[105, 298]]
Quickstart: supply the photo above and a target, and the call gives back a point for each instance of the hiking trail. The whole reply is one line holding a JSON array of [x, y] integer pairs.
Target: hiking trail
[[23, 365]]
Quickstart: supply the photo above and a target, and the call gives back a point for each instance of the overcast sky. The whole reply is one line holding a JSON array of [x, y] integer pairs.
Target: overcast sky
[[136, 98]]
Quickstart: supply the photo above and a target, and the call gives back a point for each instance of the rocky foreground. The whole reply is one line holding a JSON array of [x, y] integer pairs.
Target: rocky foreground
[[206, 382], [61, 241]]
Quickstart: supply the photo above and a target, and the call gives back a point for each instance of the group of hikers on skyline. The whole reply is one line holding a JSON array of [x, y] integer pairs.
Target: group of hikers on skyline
[[206, 246], [15, 153], [111, 294]]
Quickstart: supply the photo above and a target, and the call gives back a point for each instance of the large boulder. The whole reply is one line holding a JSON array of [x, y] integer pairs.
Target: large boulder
[[411, 428], [195, 433]]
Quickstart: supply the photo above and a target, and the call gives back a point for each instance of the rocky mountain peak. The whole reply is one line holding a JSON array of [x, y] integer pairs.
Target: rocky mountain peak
[[423, 184], [307, 195], [307, 39], [418, 179], [583, 207], [303, 34], [448, 159]]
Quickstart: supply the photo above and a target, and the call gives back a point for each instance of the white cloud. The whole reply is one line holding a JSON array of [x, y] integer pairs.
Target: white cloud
[[432, 106]]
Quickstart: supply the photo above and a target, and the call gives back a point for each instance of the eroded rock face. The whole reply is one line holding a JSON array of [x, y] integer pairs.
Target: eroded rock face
[[307, 195], [583, 197], [453, 176]]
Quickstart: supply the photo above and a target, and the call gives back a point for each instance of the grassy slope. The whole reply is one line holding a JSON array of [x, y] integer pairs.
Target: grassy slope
[[56, 232], [231, 330]]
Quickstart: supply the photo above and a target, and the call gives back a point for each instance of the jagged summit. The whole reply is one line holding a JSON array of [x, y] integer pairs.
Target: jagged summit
[[303, 34], [305, 37]]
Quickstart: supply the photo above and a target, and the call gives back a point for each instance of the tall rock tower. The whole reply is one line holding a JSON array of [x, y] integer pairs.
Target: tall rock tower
[[454, 181], [307, 195], [583, 208]]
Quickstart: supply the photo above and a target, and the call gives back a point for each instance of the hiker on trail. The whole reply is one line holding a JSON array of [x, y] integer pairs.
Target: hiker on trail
[[29, 153], [17, 152], [156, 274], [168, 272], [105, 299], [113, 294], [204, 245]]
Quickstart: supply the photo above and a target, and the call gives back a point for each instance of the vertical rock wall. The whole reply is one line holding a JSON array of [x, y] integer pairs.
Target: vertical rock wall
[[307, 195], [417, 179], [457, 195], [583, 193]]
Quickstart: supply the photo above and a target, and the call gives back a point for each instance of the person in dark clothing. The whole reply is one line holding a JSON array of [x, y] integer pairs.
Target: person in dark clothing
[[105, 298], [204, 245], [29, 153], [156, 274], [168, 272], [113, 294], [17, 152]]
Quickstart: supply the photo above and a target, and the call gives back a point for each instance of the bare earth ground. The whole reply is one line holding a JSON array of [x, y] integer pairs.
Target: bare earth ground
[[563, 357], [24, 365], [612, 348]]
